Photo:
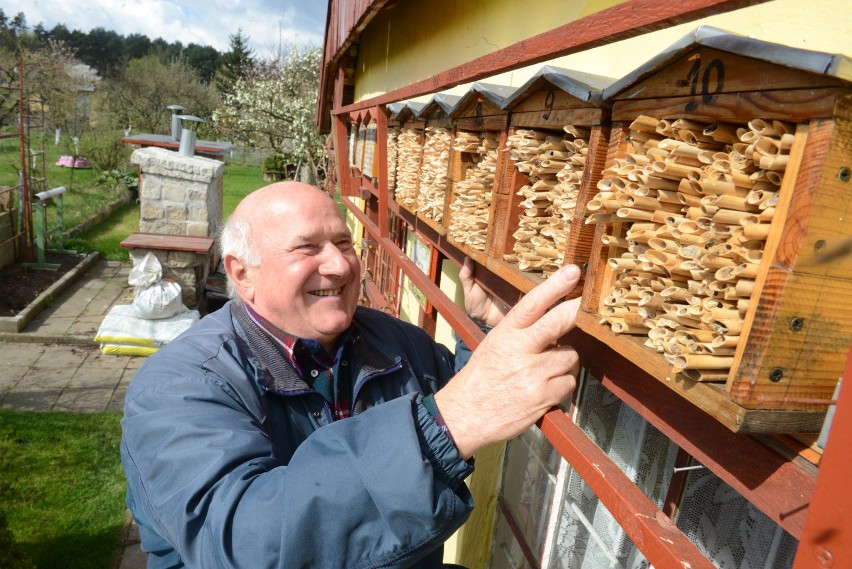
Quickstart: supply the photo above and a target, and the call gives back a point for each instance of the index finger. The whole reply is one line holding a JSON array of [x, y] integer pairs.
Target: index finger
[[538, 301]]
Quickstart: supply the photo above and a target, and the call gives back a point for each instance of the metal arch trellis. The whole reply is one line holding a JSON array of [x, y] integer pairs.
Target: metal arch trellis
[[17, 198]]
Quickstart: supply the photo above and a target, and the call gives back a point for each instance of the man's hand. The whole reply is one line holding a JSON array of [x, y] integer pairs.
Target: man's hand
[[518, 372], [481, 306]]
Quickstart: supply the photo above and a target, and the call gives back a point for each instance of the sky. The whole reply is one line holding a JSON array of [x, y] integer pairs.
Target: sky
[[267, 23]]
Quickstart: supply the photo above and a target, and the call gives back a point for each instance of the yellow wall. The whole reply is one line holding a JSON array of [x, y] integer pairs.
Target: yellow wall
[[413, 42]]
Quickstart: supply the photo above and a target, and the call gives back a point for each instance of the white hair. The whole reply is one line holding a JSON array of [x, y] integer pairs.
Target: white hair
[[236, 239]]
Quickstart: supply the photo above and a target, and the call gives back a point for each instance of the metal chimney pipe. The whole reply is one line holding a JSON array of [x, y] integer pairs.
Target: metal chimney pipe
[[175, 109], [187, 135]]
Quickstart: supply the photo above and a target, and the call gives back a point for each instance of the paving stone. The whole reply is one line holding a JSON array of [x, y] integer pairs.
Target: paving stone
[[87, 400], [14, 354], [96, 377], [31, 400], [64, 356], [45, 377], [11, 374], [116, 403]]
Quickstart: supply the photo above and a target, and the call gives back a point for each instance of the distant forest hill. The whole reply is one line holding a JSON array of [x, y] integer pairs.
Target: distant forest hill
[[108, 52]]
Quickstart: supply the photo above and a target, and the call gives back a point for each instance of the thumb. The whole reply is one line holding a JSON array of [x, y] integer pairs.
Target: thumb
[[539, 300]]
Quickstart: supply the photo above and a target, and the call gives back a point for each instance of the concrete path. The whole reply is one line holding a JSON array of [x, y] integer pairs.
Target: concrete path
[[55, 365]]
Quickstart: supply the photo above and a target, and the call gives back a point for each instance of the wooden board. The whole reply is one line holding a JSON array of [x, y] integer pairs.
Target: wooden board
[[702, 72], [711, 398], [169, 242], [794, 105]]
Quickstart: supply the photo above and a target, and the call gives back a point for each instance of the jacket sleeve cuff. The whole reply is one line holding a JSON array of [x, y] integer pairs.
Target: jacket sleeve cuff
[[439, 447]]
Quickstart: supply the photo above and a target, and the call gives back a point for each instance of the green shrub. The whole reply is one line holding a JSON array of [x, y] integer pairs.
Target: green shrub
[[278, 166], [114, 178], [104, 149]]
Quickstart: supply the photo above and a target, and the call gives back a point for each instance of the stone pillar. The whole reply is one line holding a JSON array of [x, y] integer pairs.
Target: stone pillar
[[179, 195]]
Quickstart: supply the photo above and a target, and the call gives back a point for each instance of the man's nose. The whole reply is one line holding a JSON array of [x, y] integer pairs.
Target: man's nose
[[334, 261]]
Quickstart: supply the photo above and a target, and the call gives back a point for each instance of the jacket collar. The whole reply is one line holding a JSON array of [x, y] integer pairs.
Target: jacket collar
[[275, 371]]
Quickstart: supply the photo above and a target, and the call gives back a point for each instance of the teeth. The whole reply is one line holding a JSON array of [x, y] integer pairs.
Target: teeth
[[332, 292]]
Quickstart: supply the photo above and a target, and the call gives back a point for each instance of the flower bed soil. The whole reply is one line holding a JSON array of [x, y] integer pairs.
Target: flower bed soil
[[20, 284]]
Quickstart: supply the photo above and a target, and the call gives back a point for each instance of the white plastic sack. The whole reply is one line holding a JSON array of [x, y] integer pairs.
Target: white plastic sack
[[155, 298], [146, 272], [122, 332], [160, 300]]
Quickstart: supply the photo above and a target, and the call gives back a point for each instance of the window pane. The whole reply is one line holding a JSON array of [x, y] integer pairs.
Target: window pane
[[729, 530]]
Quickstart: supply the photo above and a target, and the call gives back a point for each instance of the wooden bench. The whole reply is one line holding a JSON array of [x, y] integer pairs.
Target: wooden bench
[[171, 250]]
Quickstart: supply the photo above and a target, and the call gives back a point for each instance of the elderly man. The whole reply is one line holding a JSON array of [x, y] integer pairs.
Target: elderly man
[[293, 428]]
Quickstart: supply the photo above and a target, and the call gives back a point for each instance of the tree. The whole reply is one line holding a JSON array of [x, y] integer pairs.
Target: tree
[[235, 63], [204, 59], [139, 97], [102, 49], [272, 107], [54, 80], [54, 77]]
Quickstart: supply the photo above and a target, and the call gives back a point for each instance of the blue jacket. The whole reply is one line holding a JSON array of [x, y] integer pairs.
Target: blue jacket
[[224, 471]]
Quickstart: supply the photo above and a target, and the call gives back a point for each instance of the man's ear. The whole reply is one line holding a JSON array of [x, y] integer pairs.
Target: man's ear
[[238, 273]]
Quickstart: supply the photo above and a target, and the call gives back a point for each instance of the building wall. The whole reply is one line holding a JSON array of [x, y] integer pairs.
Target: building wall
[[412, 41], [415, 40]]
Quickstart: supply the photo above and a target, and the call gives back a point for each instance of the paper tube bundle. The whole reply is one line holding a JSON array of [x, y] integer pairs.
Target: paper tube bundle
[[433, 173], [393, 137], [408, 167], [472, 196], [353, 142], [695, 202], [554, 165], [370, 149]]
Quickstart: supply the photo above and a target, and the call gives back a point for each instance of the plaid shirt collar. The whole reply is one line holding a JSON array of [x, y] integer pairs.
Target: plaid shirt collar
[[329, 376]]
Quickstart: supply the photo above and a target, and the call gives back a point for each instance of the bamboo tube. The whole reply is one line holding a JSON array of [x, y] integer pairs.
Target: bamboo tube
[[774, 162], [756, 230], [705, 375], [764, 128], [767, 146], [746, 270], [672, 170], [626, 328], [721, 132], [708, 186], [695, 361], [727, 216], [729, 201], [744, 287], [634, 214], [600, 218], [614, 241]]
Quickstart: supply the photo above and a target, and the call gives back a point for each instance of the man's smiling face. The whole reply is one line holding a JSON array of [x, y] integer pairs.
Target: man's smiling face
[[307, 283]]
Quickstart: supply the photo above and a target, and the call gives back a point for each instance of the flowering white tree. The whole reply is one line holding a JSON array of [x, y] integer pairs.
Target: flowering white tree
[[272, 107]]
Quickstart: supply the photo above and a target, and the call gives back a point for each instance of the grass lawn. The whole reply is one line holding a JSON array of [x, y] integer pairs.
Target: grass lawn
[[62, 487]]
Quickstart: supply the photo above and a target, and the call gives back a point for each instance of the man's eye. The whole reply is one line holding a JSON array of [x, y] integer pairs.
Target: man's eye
[[307, 249], [344, 244]]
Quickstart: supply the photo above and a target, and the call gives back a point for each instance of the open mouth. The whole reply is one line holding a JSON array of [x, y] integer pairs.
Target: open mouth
[[330, 292]]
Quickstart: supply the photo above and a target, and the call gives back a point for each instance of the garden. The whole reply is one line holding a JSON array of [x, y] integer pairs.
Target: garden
[[61, 484]]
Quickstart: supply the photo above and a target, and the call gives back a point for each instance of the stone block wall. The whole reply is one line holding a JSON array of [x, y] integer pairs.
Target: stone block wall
[[179, 195]]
